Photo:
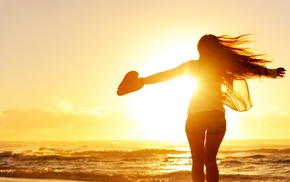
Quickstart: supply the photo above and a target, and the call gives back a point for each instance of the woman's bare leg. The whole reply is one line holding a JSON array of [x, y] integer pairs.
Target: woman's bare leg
[[196, 143], [212, 145]]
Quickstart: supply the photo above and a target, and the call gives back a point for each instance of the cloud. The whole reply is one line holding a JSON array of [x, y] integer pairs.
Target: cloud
[[35, 124], [65, 106], [68, 122], [271, 125]]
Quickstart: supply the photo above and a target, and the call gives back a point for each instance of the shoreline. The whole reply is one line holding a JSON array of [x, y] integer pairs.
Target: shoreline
[[15, 179]]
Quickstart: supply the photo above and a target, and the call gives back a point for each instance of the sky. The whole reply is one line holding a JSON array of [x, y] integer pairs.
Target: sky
[[62, 61]]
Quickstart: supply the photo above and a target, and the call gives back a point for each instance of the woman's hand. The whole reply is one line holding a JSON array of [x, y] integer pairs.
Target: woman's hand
[[280, 71]]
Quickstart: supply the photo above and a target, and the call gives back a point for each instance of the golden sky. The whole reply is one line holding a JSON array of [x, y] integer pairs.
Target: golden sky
[[62, 61]]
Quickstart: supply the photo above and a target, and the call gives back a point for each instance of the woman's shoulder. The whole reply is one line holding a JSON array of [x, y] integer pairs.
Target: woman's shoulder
[[190, 63], [188, 66]]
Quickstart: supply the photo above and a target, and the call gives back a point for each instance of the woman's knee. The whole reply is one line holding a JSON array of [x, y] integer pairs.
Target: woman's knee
[[210, 160], [198, 162]]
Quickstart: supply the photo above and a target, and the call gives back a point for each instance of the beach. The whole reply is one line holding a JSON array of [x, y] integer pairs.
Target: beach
[[5, 179]]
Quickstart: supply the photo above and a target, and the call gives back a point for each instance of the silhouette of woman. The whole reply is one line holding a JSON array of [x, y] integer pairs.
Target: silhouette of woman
[[220, 71]]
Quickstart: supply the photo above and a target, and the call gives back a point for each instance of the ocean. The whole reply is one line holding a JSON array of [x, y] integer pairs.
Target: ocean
[[139, 161]]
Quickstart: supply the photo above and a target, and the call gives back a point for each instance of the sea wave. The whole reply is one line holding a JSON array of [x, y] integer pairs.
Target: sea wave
[[257, 156], [126, 162], [24, 156], [259, 150], [54, 154]]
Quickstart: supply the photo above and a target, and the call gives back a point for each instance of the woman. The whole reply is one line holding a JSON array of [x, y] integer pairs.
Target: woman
[[220, 71]]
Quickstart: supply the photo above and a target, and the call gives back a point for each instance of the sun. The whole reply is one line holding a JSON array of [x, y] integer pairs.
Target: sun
[[169, 56], [161, 108]]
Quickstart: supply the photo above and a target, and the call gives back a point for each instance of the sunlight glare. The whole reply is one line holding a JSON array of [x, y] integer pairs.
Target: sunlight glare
[[170, 56], [233, 129], [162, 109]]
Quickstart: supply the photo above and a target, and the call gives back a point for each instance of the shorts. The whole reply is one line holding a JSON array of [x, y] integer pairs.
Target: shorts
[[212, 122]]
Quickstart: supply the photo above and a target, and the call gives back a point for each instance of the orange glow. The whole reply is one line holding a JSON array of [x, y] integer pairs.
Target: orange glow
[[161, 108], [59, 77]]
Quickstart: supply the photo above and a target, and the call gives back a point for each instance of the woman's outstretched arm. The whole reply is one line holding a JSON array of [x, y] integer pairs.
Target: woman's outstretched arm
[[262, 71], [171, 73], [271, 73]]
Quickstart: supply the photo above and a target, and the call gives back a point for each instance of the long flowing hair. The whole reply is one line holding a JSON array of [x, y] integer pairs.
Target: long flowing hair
[[229, 58]]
